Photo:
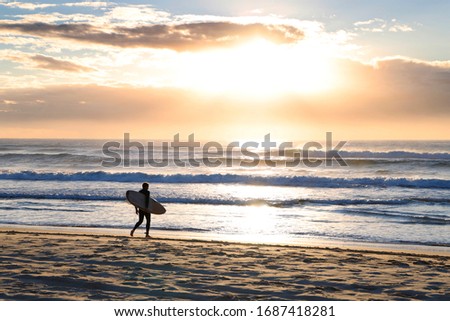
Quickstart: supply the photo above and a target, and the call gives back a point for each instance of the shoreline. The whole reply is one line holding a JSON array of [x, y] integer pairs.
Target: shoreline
[[52, 265], [316, 243]]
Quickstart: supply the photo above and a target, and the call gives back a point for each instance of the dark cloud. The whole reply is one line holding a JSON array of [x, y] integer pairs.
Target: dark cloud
[[399, 89], [45, 62], [90, 102], [415, 72], [412, 87], [188, 36], [96, 111]]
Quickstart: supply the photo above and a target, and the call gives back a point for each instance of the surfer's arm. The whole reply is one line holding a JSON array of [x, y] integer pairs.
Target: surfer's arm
[[137, 210]]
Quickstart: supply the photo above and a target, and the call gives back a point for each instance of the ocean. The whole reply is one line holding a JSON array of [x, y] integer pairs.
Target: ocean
[[391, 192]]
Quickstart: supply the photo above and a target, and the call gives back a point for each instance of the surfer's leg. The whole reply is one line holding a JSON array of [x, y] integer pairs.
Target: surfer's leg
[[147, 227], [141, 219]]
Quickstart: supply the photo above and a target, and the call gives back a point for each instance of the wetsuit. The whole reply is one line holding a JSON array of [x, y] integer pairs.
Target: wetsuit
[[143, 214]]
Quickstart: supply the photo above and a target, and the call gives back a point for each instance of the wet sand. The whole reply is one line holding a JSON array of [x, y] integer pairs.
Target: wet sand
[[49, 265]]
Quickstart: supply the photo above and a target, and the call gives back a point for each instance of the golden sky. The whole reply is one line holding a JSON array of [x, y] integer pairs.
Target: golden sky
[[100, 69]]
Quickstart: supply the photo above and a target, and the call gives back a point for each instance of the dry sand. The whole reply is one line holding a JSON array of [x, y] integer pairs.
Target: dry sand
[[53, 266]]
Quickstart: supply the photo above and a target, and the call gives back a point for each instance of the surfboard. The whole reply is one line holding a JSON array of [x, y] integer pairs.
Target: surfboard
[[138, 199]]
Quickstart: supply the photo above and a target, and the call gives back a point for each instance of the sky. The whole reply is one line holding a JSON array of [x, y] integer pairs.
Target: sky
[[225, 70]]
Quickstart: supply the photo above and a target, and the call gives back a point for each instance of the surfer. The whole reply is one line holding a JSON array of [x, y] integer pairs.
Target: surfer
[[143, 214]]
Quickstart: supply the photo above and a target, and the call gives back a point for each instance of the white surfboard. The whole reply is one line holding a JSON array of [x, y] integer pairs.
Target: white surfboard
[[138, 199]]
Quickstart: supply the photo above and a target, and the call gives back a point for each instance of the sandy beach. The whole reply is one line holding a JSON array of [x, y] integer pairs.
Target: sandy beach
[[49, 265]]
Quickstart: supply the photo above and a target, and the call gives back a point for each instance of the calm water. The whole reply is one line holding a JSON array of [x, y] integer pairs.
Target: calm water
[[391, 192]]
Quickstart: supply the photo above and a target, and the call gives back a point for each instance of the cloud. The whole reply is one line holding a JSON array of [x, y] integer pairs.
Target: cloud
[[400, 28], [87, 4], [400, 97], [414, 72], [27, 5], [33, 6], [395, 88], [121, 108], [45, 62], [181, 37], [8, 102], [55, 17], [131, 15], [381, 25], [372, 25]]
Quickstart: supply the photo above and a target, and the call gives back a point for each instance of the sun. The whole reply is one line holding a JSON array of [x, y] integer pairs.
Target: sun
[[259, 68]]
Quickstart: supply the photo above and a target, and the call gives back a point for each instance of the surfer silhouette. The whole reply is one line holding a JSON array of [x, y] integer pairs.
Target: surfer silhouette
[[142, 213]]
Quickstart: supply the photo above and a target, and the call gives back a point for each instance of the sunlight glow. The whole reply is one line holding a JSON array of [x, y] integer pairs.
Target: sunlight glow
[[258, 219], [259, 68]]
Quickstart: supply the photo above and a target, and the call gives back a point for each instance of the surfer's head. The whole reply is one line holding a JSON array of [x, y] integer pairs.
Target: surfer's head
[[145, 186]]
